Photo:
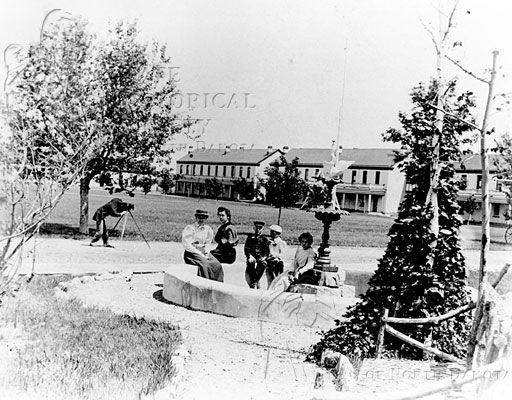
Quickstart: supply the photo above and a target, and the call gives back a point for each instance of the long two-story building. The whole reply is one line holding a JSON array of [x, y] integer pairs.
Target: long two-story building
[[373, 183], [225, 165]]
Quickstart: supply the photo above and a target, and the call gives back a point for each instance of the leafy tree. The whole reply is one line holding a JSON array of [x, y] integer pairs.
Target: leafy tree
[[316, 197], [504, 148], [405, 283], [115, 97], [144, 182], [137, 116], [47, 144], [245, 188], [213, 188], [284, 185], [470, 206], [167, 180]]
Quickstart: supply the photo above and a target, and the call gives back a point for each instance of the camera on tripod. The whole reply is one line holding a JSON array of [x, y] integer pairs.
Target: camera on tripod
[[126, 206]]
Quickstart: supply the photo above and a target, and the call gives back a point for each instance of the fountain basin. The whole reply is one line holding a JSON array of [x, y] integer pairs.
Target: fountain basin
[[183, 287]]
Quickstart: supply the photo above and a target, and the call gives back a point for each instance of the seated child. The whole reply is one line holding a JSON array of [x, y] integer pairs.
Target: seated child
[[303, 261]]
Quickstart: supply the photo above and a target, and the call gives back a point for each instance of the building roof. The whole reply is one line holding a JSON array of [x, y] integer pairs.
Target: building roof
[[369, 158], [234, 156], [473, 163]]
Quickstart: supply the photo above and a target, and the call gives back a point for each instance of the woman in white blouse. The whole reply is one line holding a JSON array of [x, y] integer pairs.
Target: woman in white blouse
[[196, 239]]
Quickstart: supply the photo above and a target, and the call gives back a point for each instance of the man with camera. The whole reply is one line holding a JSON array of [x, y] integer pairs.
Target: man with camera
[[114, 208]]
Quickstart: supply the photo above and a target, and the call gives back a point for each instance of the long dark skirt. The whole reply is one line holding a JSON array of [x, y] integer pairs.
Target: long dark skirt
[[225, 256], [209, 268]]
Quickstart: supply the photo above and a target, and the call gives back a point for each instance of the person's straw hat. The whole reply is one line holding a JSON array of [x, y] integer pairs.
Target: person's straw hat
[[276, 228], [201, 213]]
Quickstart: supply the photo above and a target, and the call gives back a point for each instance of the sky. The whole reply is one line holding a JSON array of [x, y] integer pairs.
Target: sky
[[278, 72]]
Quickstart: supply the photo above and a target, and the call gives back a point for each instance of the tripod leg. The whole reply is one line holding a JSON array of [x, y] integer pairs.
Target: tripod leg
[[117, 223], [137, 225], [124, 226]]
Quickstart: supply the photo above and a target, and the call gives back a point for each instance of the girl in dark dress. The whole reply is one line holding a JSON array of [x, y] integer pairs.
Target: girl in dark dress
[[226, 238]]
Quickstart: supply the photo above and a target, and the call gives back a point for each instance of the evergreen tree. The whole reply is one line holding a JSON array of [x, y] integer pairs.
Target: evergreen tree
[[404, 282]]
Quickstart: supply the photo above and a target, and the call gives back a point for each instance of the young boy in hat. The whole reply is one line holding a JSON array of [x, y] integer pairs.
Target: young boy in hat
[[277, 248], [256, 251], [195, 239]]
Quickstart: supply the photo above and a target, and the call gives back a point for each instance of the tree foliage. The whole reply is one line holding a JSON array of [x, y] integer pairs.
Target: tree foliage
[[120, 90], [317, 196], [404, 282], [284, 185], [245, 188], [49, 137], [504, 148], [213, 188]]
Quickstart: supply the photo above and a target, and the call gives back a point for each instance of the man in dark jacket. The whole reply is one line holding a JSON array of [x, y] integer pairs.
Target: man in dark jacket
[[114, 208], [256, 251]]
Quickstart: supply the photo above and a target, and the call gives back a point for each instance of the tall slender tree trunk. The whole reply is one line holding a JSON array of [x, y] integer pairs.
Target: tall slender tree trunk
[[436, 141], [84, 205], [279, 217], [486, 206], [486, 229]]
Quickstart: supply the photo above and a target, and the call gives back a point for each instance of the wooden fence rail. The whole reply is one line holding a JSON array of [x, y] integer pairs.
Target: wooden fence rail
[[385, 320]]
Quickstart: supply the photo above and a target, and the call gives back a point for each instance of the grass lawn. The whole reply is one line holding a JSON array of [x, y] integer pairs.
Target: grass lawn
[[162, 218], [69, 351]]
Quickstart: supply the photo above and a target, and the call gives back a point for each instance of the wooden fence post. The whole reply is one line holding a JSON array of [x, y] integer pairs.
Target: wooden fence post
[[380, 336]]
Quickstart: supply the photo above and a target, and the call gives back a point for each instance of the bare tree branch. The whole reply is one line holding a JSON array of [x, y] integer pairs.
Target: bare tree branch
[[465, 70], [432, 36], [472, 125]]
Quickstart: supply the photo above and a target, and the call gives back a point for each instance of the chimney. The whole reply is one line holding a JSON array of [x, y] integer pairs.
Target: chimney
[[227, 149], [190, 148], [285, 149], [269, 149]]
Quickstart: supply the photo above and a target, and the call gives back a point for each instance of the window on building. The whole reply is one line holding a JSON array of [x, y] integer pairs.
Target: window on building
[[248, 172], [463, 182], [354, 176], [317, 172], [187, 170], [233, 171], [377, 177], [479, 181], [241, 172], [181, 169], [306, 174], [216, 170], [201, 170], [499, 186], [365, 177], [208, 171], [495, 210], [224, 170]]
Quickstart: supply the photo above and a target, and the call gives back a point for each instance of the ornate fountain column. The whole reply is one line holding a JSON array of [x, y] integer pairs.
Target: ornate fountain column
[[327, 273]]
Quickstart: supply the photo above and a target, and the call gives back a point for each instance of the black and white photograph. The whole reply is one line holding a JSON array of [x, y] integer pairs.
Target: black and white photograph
[[251, 200]]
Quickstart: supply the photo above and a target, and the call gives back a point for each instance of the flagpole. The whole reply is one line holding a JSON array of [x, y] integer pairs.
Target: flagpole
[[340, 116]]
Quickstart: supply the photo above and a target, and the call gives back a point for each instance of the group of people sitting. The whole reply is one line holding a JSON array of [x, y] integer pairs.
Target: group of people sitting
[[264, 254]]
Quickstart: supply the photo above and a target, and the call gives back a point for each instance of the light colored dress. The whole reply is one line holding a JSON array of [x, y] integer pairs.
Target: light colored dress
[[195, 240], [301, 259]]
